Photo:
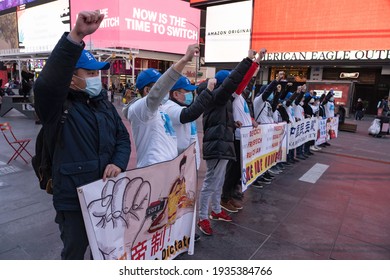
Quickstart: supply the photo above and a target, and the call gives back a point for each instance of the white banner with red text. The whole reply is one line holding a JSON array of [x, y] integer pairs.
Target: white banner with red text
[[261, 148]]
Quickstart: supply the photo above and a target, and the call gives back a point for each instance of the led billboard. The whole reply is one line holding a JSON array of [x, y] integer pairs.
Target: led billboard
[[8, 32], [8, 4], [228, 32], [40, 27], [315, 26], [141, 24]]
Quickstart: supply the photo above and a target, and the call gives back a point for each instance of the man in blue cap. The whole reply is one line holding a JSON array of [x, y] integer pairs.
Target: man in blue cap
[[183, 110], [86, 138], [154, 135]]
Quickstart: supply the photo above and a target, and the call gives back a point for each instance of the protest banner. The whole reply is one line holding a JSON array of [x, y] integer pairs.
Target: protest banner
[[302, 131], [261, 148], [327, 129], [145, 213]]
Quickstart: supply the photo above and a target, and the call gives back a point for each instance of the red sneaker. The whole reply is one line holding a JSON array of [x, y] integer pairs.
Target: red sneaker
[[205, 227], [221, 216]]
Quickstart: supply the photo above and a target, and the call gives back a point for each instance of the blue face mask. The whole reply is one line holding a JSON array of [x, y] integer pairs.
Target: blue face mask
[[93, 85], [271, 97], [189, 97]]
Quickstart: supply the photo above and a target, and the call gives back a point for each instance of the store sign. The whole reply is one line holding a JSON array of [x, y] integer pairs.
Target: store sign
[[329, 55], [142, 24], [353, 75]]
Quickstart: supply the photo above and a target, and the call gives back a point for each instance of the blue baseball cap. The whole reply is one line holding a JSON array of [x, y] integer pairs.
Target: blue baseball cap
[[221, 75], [146, 77], [288, 95], [89, 62], [184, 83]]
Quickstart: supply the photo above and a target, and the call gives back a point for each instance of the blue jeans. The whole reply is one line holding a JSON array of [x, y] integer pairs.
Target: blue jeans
[[73, 234]]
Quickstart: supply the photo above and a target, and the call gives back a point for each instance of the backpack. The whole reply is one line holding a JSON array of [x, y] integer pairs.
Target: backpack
[[41, 161]]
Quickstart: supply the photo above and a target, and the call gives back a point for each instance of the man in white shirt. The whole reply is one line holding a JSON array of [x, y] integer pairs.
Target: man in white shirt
[[183, 110], [152, 129]]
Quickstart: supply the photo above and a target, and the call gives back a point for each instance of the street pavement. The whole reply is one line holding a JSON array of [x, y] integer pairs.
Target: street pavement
[[344, 215]]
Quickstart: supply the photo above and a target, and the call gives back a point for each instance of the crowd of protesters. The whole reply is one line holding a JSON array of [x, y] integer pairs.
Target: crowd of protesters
[[162, 112]]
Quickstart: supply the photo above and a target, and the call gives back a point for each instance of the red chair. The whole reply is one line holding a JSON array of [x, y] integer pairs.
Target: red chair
[[18, 145]]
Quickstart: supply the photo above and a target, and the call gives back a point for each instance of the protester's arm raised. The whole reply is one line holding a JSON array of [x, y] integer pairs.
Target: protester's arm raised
[[87, 23]]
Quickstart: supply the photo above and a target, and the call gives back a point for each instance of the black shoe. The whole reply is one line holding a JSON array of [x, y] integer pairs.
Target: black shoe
[[266, 177], [288, 163], [238, 195], [295, 160], [301, 157], [262, 181], [310, 153], [196, 237], [326, 144], [256, 184], [268, 174], [280, 165]]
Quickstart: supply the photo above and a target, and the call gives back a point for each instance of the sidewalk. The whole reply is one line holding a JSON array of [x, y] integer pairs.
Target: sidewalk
[[344, 215]]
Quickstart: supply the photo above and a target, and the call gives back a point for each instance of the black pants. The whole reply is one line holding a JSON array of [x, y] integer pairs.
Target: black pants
[[73, 234], [233, 174]]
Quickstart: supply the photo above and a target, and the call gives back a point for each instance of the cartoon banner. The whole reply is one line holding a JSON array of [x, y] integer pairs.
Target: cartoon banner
[[261, 148], [302, 131], [143, 214]]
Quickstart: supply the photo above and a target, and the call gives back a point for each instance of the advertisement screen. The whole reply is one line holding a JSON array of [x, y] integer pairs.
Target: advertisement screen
[[205, 3], [40, 30], [8, 32], [7, 4], [228, 32], [141, 24], [308, 26]]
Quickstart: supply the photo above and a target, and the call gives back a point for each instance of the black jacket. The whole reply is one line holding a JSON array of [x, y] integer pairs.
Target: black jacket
[[218, 123], [92, 135]]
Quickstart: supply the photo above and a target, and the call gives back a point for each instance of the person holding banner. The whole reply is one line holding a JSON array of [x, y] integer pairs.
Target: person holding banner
[[218, 143], [299, 114], [88, 141], [287, 114], [242, 118], [328, 106], [263, 112]]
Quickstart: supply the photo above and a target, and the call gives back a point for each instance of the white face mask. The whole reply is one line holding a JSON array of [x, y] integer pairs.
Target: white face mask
[[93, 85]]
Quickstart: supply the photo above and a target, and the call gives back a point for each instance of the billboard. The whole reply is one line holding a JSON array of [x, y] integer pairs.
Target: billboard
[[228, 32], [8, 32], [40, 30], [7, 4], [142, 24], [204, 3], [315, 26]]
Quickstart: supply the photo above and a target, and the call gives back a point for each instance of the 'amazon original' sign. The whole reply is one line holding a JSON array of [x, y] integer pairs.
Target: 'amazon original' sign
[[330, 55]]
